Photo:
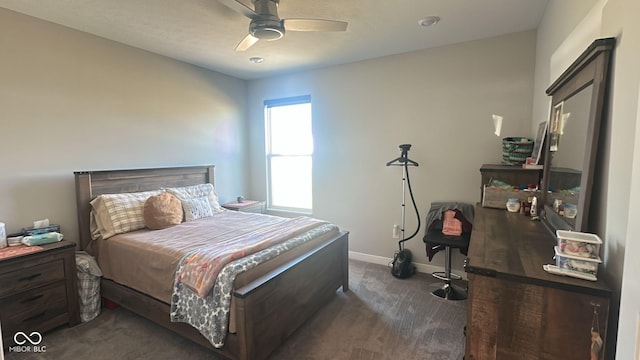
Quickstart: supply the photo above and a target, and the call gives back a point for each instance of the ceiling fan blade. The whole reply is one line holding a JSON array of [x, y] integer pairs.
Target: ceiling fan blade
[[314, 25], [240, 7], [246, 43]]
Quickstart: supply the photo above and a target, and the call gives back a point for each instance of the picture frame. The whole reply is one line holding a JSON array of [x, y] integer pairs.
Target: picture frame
[[554, 127], [538, 144]]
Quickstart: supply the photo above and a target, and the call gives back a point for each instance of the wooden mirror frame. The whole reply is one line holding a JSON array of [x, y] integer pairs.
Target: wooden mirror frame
[[590, 68]]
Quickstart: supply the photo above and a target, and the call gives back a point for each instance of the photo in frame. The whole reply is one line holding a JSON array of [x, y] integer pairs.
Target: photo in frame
[[536, 154], [554, 127]]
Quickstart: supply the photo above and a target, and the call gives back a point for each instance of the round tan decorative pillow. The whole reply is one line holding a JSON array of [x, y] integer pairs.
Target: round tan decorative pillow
[[162, 211]]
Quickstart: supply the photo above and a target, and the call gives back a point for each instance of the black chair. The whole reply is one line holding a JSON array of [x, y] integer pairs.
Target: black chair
[[435, 241], [448, 290]]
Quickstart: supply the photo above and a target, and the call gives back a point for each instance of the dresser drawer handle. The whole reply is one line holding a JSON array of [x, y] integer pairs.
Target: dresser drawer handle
[[30, 277], [31, 299], [34, 317]]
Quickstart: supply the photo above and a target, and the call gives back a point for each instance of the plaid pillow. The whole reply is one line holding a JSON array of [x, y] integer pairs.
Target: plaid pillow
[[120, 213]]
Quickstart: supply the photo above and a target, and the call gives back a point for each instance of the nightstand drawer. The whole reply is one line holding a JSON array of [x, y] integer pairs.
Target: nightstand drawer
[[32, 310], [29, 278]]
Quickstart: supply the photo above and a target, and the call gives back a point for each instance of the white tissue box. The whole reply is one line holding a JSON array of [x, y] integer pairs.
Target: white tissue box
[[14, 241]]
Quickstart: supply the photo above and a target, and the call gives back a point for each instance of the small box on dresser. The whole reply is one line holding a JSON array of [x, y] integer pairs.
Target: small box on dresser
[[38, 291], [579, 243], [576, 263]]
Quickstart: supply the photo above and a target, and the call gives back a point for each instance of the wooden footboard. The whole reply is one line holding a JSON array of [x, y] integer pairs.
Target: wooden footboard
[[272, 307], [268, 309]]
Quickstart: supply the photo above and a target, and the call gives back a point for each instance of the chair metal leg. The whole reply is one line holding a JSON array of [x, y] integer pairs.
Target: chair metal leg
[[448, 291]]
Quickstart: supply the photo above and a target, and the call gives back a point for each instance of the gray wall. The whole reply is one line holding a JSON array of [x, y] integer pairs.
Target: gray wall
[[439, 100], [567, 28], [72, 101], [620, 174]]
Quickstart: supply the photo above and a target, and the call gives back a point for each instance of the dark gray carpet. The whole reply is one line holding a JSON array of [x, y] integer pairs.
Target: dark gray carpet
[[380, 318]]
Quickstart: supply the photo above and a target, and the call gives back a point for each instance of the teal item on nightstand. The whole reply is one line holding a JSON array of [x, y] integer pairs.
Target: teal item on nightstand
[[42, 239]]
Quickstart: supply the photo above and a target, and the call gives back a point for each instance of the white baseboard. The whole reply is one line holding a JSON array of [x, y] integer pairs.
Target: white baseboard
[[381, 260]]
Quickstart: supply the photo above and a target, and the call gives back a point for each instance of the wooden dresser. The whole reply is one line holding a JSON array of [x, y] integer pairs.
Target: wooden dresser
[[516, 310], [38, 291]]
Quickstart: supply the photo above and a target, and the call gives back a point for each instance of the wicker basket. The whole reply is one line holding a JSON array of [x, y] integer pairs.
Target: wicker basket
[[516, 150]]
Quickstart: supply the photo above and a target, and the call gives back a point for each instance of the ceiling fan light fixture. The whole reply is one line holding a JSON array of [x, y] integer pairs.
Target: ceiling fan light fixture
[[266, 29], [429, 21], [266, 23], [268, 34]]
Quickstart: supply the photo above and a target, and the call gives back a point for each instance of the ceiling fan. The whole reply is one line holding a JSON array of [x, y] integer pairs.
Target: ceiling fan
[[266, 25]]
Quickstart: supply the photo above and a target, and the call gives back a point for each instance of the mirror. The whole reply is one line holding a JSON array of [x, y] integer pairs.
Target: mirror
[[567, 146], [577, 112]]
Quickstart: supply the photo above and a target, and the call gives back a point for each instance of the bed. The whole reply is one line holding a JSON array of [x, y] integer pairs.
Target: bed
[[269, 302]]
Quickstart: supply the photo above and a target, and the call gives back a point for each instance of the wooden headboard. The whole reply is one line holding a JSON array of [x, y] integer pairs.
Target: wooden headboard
[[90, 184]]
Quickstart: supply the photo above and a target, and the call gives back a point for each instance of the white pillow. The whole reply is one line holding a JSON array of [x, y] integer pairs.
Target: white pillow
[[197, 191], [120, 213], [196, 208]]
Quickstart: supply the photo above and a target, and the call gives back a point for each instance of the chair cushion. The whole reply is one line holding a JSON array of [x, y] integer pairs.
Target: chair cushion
[[437, 237]]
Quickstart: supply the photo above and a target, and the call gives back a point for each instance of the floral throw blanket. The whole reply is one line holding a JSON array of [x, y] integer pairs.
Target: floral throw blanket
[[209, 313]]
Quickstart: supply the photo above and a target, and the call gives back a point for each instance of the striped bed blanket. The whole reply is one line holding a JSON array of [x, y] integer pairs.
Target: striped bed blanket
[[204, 279]]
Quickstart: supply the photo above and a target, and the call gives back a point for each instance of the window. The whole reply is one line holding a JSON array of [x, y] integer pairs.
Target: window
[[289, 153]]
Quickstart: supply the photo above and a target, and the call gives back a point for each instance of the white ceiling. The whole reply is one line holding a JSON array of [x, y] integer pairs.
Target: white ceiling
[[205, 32]]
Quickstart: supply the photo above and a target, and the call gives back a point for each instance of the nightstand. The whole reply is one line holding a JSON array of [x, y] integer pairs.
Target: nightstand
[[38, 291], [254, 206]]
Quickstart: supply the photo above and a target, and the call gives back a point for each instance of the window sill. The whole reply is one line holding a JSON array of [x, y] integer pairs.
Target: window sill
[[288, 213]]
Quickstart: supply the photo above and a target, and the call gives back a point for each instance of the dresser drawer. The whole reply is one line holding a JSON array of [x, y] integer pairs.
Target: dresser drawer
[[32, 277], [35, 309]]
